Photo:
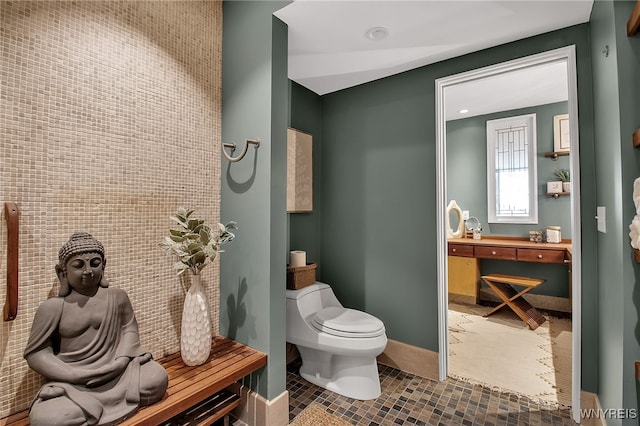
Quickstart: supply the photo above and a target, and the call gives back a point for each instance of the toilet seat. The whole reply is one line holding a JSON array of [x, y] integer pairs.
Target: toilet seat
[[344, 322]]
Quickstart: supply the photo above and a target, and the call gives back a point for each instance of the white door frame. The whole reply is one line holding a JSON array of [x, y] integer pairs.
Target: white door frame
[[564, 53]]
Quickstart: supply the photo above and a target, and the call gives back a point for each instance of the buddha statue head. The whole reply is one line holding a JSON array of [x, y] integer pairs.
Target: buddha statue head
[[79, 244]]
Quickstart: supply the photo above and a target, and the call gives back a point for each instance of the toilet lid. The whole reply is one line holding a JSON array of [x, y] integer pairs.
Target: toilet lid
[[346, 322]]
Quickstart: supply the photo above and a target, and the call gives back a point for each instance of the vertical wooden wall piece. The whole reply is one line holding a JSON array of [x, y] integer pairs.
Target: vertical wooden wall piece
[[299, 171], [11, 215]]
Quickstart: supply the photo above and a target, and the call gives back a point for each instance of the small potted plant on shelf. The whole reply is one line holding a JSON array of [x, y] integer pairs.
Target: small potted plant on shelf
[[565, 177]]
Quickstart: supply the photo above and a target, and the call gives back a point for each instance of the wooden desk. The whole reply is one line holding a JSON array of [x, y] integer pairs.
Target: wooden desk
[[464, 264], [511, 248]]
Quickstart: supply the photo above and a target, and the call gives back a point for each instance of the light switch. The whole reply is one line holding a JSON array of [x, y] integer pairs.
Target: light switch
[[465, 214], [601, 218]]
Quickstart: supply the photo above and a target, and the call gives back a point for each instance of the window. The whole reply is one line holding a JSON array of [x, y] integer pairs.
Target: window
[[511, 170]]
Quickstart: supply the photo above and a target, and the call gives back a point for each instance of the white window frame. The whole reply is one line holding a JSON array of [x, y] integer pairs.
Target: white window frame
[[529, 122]]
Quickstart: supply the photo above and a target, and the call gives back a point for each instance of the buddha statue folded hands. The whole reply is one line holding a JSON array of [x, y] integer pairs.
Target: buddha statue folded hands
[[86, 343]]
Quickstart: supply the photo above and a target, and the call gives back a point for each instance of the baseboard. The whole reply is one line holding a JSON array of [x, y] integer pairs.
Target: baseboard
[[540, 301], [463, 298], [590, 401], [412, 359], [255, 410]]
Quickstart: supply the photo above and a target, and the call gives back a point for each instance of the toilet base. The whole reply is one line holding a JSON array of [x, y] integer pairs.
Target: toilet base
[[351, 376]]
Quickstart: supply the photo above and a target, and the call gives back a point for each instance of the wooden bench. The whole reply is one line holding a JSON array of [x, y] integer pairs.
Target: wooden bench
[[502, 284], [195, 395]]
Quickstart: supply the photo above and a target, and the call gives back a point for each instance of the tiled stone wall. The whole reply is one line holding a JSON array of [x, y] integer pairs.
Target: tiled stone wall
[[109, 121]]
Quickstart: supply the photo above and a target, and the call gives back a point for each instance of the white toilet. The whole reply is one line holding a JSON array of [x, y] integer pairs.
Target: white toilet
[[338, 345]]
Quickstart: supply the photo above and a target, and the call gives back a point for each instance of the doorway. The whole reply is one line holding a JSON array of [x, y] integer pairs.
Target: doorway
[[447, 86]]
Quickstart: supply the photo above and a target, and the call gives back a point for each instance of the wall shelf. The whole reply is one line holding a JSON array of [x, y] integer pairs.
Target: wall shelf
[[633, 24], [636, 138], [555, 154], [557, 194]]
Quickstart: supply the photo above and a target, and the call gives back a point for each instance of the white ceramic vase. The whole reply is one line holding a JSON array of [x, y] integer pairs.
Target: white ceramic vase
[[195, 341]]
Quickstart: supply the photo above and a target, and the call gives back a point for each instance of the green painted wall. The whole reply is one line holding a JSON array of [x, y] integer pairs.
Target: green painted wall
[[467, 170], [608, 172], [304, 228], [255, 105], [628, 56], [378, 198], [378, 193], [616, 94], [466, 183]]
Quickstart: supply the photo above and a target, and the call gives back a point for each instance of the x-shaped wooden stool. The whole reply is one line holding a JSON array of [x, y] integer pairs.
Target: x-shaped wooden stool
[[502, 284]]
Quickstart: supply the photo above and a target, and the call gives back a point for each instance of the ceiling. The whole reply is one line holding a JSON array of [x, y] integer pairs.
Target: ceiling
[[535, 85], [329, 49]]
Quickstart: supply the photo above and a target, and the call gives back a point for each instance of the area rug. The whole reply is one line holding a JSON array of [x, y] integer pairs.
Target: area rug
[[501, 352], [315, 415]]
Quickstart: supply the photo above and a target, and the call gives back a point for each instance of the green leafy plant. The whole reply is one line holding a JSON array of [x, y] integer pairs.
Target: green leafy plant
[[563, 175], [194, 243]]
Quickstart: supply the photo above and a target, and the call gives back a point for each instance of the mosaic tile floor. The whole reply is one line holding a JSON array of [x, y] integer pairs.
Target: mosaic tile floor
[[412, 400]]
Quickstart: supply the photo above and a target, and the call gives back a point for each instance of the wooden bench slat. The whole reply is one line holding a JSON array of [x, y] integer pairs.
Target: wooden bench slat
[[200, 380], [218, 412], [184, 395], [190, 387], [213, 409], [514, 279], [208, 411], [216, 380], [174, 361], [214, 360], [19, 419]]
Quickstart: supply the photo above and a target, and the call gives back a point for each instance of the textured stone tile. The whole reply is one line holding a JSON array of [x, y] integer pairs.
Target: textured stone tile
[[409, 399]]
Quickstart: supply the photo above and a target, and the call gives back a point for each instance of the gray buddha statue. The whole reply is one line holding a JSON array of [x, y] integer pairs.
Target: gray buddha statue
[[85, 342]]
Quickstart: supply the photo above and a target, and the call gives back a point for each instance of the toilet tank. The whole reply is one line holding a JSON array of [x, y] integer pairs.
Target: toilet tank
[[311, 299]]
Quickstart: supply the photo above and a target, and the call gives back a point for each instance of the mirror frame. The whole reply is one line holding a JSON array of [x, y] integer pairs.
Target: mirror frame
[[564, 53]]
